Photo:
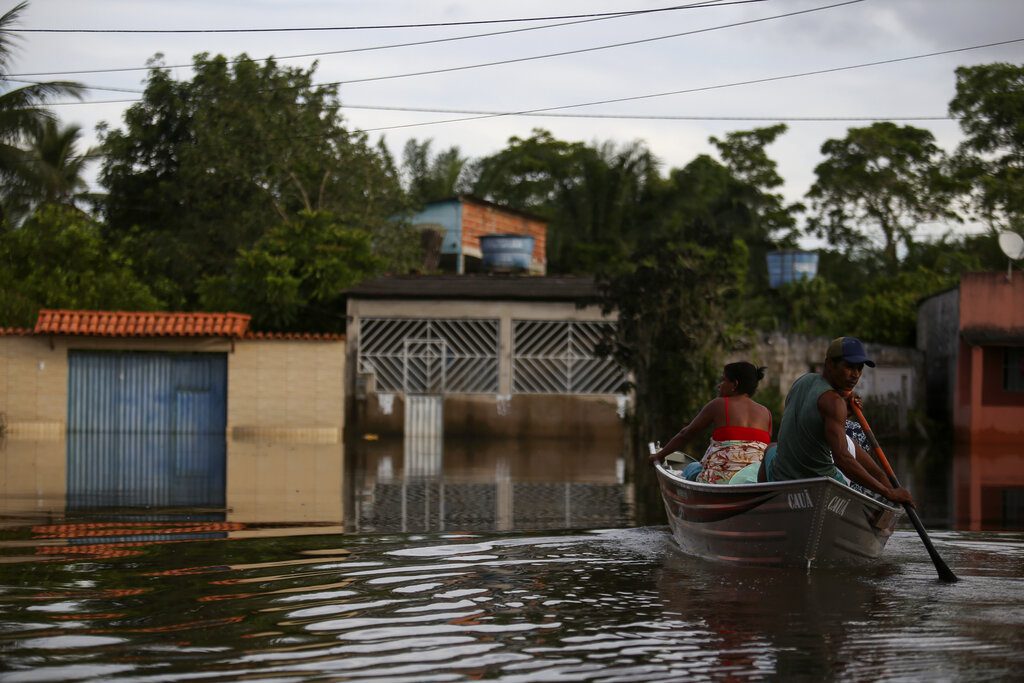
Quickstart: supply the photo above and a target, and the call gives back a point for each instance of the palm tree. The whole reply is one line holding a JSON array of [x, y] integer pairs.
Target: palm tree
[[22, 115], [55, 166]]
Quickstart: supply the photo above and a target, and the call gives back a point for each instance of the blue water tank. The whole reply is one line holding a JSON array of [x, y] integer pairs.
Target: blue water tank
[[507, 251], [790, 265]]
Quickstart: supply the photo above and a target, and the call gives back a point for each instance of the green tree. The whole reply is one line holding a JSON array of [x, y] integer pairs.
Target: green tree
[[429, 178], [671, 298], [22, 114], [990, 104], [203, 168], [294, 276], [529, 173], [593, 196], [57, 259], [744, 154], [598, 218], [884, 177], [55, 168]]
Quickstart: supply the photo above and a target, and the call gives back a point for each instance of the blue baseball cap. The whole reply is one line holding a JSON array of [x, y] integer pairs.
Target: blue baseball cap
[[849, 349]]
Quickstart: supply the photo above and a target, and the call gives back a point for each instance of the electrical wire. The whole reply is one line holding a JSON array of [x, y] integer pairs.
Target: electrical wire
[[370, 48], [720, 86], [660, 117], [435, 24], [595, 48], [533, 57]]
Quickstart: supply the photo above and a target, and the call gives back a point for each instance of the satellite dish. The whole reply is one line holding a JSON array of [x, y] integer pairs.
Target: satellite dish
[[1012, 245]]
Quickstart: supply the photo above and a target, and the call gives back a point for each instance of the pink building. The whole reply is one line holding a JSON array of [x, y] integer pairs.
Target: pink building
[[973, 338]]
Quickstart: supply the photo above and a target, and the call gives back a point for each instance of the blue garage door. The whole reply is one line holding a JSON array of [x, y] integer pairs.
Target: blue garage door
[[146, 429]]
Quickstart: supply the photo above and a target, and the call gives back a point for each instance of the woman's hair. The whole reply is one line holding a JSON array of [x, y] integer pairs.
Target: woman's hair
[[746, 375]]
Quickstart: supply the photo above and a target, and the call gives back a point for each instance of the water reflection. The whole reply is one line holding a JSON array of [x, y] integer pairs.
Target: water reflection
[[414, 484], [115, 469], [410, 484], [988, 486], [609, 605]]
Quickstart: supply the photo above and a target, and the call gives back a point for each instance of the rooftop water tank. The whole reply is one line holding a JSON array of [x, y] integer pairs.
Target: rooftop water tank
[[506, 252], [790, 265]]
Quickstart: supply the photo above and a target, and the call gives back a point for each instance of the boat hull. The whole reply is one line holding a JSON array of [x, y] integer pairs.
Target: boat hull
[[805, 522]]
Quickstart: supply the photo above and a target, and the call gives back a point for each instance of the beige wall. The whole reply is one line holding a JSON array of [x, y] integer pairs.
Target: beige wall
[[33, 387], [276, 388], [287, 390], [33, 475], [275, 481]]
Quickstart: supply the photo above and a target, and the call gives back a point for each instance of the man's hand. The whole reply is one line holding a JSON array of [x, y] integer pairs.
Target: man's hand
[[900, 495]]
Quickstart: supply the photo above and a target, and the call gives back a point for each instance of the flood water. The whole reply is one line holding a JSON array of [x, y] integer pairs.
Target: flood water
[[511, 561]]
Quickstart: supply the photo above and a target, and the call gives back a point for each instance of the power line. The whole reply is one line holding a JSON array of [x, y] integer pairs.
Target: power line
[[734, 84], [543, 56], [373, 48], [548, 110], [658, 117], [593, 49], [642, 117], [435, 24]]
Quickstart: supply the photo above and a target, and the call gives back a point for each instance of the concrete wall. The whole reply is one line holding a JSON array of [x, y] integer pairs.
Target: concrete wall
[[586, 417], [34, 376], [899, 370], [286, 390], [937, 338], [893, 389], [289, 389], [277, 481], [991, 319]]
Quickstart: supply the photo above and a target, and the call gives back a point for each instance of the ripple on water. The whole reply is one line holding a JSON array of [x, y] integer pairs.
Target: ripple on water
[[607, 605]]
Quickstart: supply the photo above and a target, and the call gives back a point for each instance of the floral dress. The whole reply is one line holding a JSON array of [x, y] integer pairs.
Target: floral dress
[[732, 448]]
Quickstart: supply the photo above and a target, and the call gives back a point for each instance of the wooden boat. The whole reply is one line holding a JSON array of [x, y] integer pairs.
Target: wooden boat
[[805, 522]]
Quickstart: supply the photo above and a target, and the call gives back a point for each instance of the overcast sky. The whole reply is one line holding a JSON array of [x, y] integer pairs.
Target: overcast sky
[[844, 35]]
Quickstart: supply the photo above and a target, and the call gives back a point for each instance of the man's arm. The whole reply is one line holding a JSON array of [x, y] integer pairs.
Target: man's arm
[[868, 462], [833, 413]]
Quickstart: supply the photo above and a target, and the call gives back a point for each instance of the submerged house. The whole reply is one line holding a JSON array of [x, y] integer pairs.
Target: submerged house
[[170, 409], [973, 338]]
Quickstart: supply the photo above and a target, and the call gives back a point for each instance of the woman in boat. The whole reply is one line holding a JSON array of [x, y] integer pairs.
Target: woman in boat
[[742, 428]]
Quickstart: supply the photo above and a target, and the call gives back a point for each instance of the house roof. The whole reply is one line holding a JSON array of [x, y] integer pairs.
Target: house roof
[[473, 199], [141, 324], [479, 287]]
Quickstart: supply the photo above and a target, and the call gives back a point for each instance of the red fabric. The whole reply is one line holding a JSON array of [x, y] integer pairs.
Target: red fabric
[[733, 433], [728, 432]]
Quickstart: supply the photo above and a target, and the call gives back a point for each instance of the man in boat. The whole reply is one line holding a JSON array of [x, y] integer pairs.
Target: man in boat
[[812, 434]]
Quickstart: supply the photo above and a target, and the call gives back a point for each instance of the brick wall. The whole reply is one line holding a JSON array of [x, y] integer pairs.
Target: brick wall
[[480, 219]]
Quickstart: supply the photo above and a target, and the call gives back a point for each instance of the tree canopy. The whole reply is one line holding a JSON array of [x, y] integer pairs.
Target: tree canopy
[[884, 178], [990, 103], [204, 167]]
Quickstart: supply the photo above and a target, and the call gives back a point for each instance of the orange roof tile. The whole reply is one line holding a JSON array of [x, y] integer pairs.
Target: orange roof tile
[[15, 331], [142, 324]]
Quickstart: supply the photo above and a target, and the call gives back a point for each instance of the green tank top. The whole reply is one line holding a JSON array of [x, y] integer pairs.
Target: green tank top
[[802, 450]]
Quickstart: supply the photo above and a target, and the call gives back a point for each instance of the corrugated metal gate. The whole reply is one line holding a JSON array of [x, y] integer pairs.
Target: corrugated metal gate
[[146, 429]]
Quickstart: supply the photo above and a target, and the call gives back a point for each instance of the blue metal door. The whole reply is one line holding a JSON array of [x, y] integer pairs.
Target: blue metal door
[[146, 429]]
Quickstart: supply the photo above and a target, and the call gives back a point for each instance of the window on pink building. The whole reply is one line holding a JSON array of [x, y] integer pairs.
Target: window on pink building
[[1013, 369]]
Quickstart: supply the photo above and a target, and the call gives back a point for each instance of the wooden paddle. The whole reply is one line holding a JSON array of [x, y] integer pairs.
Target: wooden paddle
[[945, 573]]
